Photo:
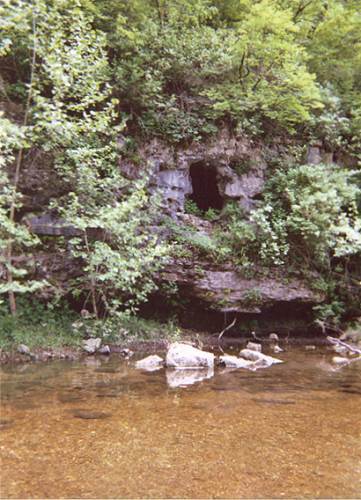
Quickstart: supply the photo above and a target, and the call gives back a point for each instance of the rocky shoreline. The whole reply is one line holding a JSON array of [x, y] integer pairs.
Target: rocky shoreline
[[18, 354]]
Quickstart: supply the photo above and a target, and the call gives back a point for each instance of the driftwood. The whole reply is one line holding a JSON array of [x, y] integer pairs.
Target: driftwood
[[351, 348], [328, 326]]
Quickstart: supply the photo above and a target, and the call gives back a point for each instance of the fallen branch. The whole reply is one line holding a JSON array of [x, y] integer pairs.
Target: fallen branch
[[224, 331], [327, 326], [353, 349]]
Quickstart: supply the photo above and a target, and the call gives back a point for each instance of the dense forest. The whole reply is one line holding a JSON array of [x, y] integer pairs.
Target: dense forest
[[85, 84]]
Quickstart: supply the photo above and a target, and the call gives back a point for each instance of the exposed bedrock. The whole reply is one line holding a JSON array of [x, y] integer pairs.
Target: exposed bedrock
[[212, 173], [226, 167], [226, 290]]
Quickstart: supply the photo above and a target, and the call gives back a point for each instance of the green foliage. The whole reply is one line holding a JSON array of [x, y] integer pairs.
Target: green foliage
[[252, 298], [270, 76], [189, 240], [11, 232], [37, 325], [315, 210], [121, 264], [126, 328], [236, 237], [75, 119], [211, 214], [76, 74], [191, 207]]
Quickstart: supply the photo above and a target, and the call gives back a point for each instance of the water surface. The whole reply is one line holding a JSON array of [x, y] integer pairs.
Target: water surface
[[101, 429]]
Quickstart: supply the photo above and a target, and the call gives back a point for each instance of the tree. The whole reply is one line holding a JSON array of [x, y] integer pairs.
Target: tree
[[14, 140], [74, 119], [270, 76]]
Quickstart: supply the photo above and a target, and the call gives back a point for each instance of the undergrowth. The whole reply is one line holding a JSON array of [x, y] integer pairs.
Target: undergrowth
[[45, 326]]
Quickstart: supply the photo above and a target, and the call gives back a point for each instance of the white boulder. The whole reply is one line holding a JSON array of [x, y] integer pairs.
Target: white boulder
[[91, 345], [23, 349], [310, 347], [185, 356], [150, 363], [254, 346], [340, 349], [273, 337], [234, 362], [259, 357], [338, 360]]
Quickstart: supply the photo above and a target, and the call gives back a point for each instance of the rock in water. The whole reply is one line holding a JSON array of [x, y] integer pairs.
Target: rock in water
[[126, 353], [150, 363], [23, 349], [105, 349], [340, 349], [254, 346], [185, 356], [90, 415], [338, 360], [310, 347], [273, 337], [276, 349], [91, 345], [259, 357], [234, 362]]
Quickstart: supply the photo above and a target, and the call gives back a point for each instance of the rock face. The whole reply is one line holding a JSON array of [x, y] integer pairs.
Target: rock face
[[226, 290], [185, 356], [239, 165], [50, 226]]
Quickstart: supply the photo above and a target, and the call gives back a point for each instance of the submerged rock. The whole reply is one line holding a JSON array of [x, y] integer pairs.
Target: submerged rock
[[90, 415], [276, 349], [183, 378], [5, 423], [91, 345], [254, 346], [338, 360], [259, 357], [150, 363], [275, 401], [126, 353], [310, 347], [186, 356]]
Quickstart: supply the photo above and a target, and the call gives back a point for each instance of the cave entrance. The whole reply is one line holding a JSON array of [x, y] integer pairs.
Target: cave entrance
[[205, 189]]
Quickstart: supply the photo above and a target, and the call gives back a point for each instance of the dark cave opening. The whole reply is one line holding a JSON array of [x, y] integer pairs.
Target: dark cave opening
[[205, 189]]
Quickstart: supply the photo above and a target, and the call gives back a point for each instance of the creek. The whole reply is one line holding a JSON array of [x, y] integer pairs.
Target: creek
[[102, 429]]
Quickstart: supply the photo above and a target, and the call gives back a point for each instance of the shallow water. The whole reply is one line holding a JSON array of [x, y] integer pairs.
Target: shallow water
[[101, 429]]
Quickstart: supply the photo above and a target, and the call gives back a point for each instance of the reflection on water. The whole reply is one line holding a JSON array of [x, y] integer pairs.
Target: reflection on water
[[183, 378], [102, 429]]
